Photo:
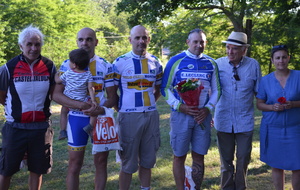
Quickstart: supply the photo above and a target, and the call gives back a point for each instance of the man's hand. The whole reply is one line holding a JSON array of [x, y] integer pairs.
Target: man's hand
[[189, 110], [202, 114], [93, 110]]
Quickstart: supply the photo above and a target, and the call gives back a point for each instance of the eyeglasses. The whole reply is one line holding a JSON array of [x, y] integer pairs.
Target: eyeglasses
[[235, 74]]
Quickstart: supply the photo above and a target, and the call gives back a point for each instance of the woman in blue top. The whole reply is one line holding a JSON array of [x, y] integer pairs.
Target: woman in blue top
[[279, 99]]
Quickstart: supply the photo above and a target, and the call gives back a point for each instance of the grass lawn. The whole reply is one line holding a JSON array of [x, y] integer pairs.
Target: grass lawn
[[259, 176]]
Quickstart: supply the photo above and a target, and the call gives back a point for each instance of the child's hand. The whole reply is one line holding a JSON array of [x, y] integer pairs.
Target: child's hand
[[95, 103]]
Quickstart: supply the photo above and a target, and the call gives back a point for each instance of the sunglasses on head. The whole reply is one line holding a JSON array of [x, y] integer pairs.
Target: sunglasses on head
[[279, 47]]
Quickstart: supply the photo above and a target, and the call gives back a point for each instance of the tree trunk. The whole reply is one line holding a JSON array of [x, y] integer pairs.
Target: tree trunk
[[248, 31]]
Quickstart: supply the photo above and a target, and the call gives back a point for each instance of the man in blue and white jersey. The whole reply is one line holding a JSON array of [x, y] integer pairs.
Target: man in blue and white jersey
[[103, 79], [190, 125], [138, 77]]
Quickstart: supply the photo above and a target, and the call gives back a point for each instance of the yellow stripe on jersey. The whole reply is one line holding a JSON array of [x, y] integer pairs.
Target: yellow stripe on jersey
[[98, 87], [145, 68], [92, 67], [159, 75], [117, 76], [109, 76], [146, 98]]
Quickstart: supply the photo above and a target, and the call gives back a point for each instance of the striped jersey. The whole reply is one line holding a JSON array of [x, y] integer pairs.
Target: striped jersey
[[28, 89], [136, 77], [102, 74], [189, 66], [76, 84]]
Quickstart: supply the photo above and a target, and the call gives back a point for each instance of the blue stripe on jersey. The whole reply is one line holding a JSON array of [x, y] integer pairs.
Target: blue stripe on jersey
[[121, 93], [138, 99], [137, 66]]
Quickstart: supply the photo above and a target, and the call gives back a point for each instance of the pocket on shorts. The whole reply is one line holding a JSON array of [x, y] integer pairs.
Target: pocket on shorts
[[125, 144], [180, 143], [157, 141]]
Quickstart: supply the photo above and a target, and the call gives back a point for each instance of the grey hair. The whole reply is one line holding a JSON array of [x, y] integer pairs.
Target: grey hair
[[29, 32]]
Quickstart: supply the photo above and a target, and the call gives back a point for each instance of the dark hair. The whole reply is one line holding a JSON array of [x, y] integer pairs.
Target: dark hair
[[80, 58], [279, 47], [197, 30]]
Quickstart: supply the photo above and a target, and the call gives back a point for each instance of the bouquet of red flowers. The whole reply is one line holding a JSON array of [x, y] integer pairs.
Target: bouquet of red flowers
[[189, 90], [282, 100]]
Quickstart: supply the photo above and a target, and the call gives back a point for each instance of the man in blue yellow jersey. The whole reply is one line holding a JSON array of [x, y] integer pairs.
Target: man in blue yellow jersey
[[190, 125], [138, 77], [103, 80]]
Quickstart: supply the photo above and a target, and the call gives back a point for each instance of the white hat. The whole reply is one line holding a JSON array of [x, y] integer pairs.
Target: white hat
[[237, 38]]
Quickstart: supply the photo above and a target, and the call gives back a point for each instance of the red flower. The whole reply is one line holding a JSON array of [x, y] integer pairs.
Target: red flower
[[282, 100], [189, 91]]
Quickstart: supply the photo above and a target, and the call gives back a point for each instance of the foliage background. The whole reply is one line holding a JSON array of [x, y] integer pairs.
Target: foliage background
[[273, 22]]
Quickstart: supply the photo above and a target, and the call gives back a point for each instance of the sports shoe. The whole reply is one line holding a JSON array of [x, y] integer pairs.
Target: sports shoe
[[89, 130], [62, 135]]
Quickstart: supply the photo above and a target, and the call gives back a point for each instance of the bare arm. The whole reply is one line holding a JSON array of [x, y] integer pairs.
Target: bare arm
[[91, 91], [293, 104], [57, 78], [62, 99], [157, 93], [261, 105], [112, 97], [2, 97]]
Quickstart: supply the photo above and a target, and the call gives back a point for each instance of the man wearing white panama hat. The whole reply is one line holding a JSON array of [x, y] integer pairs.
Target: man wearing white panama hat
[[234, 115]]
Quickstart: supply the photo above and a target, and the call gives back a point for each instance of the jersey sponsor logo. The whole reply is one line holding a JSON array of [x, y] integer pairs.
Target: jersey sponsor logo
[[152, 71], [130, 110], [152, 108], [98, 87], [99, 73], [135, 77], [190, 66], [206, 76], [150, 76], [140, 84], [73, 112], [97, 78], [110, 70], [129, 72], [31, 78]]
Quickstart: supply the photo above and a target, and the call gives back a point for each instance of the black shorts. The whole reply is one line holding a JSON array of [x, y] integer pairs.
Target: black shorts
[[37, 143]]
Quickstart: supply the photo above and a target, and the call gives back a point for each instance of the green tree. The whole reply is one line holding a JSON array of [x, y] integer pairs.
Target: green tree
[[60, 20], [274, 22], [3, 43], [151, 11]]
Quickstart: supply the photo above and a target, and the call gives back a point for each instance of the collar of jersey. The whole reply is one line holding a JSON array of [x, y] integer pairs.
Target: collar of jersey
[[23, 58], [138, 56], [93, 58], [192, 55]]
